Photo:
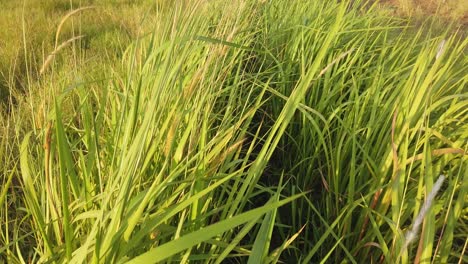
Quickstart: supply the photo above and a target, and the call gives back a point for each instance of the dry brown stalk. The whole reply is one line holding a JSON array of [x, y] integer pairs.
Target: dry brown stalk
[[65, 18], [52, 55], [57, 47]]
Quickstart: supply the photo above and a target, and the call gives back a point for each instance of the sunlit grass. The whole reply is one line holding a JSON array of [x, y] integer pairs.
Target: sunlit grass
[[294, 132]]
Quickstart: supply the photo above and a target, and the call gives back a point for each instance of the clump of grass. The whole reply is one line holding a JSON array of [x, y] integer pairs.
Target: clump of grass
[[343, 146], [278, 132]]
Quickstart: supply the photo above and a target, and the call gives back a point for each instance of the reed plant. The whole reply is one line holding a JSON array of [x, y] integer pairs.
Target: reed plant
[[278, 132]]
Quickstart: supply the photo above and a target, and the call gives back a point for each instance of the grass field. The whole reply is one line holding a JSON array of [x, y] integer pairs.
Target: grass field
[[200, 131]]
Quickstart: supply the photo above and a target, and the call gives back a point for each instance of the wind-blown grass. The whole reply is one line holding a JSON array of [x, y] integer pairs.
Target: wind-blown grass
[[300, 132]]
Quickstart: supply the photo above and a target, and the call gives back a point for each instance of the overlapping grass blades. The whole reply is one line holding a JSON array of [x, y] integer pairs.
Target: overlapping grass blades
[[301, 132], [342, 147]]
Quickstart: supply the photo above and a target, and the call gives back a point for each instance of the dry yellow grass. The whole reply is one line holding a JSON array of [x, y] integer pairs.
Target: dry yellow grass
[[455, 10]]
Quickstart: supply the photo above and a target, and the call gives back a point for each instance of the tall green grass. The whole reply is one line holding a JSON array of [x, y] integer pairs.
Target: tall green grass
[[368, 177], [293, 132]]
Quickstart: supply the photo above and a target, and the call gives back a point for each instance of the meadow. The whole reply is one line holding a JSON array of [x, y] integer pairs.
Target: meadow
[[243, 131]]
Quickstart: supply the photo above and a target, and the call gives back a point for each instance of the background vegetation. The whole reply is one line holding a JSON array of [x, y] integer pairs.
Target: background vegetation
[[280, 131]]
